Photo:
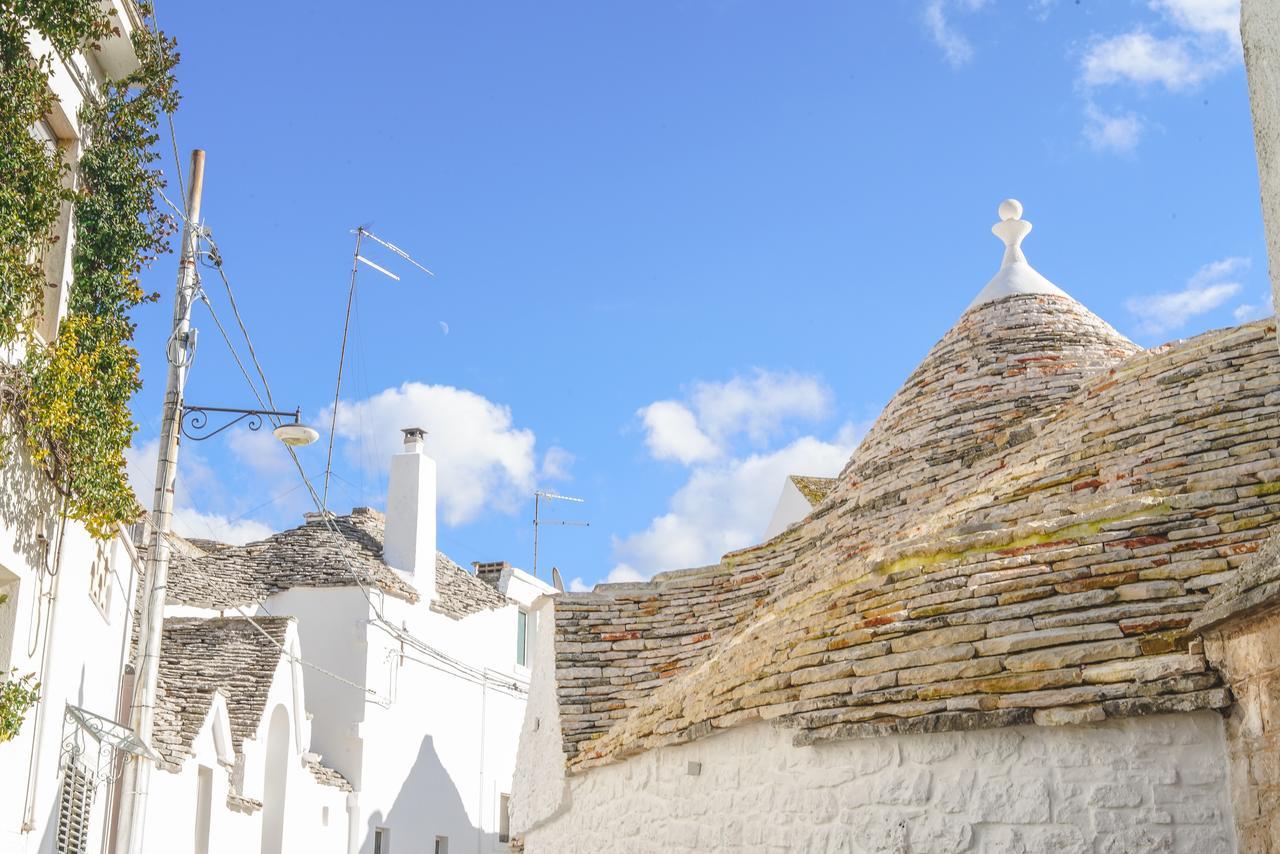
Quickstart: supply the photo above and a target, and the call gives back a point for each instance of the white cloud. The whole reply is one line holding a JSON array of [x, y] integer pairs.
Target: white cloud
[[956, 47], [577, 585], [1205, 291], [194, 477], [1208, 17], [1117, 133], [192, 523], [260, 450], [556, 463], [672, 433], [1192, 41], [755, 406], [1040, 9], [1254, 311], [758, 405], [724, 506], [1143, 59], [483, 460]]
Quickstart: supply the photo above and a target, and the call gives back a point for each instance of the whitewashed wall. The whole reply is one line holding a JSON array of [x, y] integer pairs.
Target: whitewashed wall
[[57, 632], [50, 626], [539, 791], [315, 815], [1137, 785], [433, 751]]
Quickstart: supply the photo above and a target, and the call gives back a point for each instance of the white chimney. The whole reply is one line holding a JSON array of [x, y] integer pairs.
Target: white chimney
[[409, 543]]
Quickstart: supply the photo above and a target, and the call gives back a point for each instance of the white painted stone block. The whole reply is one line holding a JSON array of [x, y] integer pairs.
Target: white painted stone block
[[1135, 785]]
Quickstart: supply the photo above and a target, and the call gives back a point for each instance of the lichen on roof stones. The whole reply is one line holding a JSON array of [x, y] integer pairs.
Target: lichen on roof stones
[[1023, 537]]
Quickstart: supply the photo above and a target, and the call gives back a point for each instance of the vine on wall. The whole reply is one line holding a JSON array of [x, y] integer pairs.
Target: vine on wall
[[71, 396], [67, 401]]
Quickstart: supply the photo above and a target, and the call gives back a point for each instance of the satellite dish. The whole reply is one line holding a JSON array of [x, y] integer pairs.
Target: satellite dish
[[556, 580]]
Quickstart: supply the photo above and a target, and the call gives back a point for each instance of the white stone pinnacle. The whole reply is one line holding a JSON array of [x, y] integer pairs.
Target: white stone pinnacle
[[1015, 275]]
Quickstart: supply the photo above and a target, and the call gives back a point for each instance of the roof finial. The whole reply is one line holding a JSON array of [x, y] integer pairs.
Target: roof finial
[[1015, 275], [1011, 228]]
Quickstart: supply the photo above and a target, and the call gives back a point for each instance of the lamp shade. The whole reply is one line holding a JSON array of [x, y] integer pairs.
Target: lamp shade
[[295, 434]]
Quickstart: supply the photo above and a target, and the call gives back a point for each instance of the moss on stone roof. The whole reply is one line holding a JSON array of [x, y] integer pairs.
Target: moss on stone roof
[[1023, 537], [814, 489]]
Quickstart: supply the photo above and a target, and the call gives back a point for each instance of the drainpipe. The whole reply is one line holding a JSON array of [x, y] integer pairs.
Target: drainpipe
[[46, 664], [124, 684], [484, 697], [353, 823]]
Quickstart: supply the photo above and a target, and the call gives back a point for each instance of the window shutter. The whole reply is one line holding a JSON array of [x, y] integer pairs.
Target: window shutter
[[74, 807]]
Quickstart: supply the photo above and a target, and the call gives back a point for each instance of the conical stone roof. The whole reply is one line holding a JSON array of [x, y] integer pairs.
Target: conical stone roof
[[1012, 359], [1023, 537]]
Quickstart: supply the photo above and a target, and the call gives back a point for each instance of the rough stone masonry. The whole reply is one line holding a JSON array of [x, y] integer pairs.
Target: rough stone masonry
[[1018, 546]]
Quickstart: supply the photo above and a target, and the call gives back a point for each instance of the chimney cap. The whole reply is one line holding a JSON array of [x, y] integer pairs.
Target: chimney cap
[[413, 434]]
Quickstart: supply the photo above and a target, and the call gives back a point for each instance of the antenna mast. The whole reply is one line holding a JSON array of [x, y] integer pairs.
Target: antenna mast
[[543, 495], [357, 259]]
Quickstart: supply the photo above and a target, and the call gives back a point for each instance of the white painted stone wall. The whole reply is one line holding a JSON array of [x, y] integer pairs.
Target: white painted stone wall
[[316, 817], [77, 650], [1153, 784], [433, 752], [539, 785], [49, 625]]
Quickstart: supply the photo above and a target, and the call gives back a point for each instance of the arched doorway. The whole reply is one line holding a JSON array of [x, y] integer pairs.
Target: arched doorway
[[276, 778]]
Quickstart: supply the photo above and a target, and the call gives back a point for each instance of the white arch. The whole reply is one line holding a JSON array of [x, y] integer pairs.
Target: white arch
[[275, 784]]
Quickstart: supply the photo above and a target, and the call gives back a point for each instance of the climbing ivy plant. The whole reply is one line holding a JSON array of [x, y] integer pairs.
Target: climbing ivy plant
[[69, 399]]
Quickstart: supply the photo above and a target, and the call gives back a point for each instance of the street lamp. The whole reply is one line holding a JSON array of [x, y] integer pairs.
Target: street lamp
[[178, 419], [195, 420]]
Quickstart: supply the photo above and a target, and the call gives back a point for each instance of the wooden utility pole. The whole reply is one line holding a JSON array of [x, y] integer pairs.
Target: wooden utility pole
[[137, 771]]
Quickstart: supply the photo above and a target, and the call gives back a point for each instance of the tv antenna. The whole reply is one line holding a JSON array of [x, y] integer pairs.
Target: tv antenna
[[543, 495], [361, 233]]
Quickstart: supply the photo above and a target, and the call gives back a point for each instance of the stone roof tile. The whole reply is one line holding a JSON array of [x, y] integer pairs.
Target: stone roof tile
[[327, 776], [216, 576], [1027, 532], [201, 657]]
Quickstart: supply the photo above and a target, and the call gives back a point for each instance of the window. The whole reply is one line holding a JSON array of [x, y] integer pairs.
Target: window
[[56, 259], [382, 841], [100, 583], [74, 805], [442, 845], [504, 818], [522, 637]]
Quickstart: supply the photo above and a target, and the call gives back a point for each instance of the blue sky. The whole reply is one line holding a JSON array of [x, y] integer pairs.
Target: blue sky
[[683, 248]]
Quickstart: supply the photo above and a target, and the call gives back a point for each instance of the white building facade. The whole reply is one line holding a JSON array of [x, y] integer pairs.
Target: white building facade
[[342, 687], [64, 596]]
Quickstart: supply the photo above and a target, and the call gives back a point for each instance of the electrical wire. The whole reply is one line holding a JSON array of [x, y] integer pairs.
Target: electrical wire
[[173, 134], [300, 660], [326, 517], [216, 258], [174, 545]]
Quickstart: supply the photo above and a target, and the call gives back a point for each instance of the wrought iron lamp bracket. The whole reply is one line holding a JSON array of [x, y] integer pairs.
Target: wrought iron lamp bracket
[[195, 419]]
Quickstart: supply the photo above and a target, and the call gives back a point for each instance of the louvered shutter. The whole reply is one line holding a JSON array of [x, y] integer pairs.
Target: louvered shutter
[[74, 807]]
